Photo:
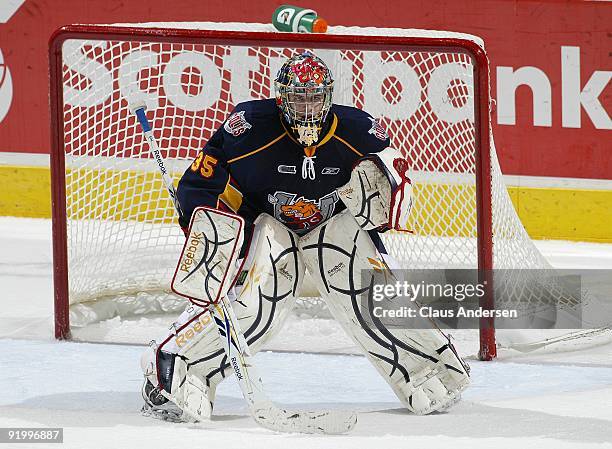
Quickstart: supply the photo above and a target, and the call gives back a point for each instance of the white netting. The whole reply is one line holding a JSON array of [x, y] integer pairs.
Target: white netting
[[123, 241]]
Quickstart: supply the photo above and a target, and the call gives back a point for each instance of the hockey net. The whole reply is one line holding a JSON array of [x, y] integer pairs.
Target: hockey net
[[116, 238]]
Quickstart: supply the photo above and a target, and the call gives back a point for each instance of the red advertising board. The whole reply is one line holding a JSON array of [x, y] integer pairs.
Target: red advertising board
[[550, 66]]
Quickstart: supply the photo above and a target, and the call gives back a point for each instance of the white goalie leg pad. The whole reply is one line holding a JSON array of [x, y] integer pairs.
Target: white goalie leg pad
[[168, 365], [207, 265], [268, 283], [190, 362], [421, 365]]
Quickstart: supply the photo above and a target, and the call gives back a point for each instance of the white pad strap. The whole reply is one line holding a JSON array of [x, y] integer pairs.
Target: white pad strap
[[206, 268]]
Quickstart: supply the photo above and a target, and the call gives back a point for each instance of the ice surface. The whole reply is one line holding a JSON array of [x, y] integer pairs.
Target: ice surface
[[92, 390], [559, 400]]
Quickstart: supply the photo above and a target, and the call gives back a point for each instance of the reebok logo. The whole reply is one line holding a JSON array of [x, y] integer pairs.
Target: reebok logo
[[330, 171], [236, 368], [190, 251], [194, 329], [332, 271]]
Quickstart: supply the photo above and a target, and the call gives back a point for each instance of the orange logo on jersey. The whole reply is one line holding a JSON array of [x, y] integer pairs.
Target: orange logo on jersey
[[300, 209], [301, 214]]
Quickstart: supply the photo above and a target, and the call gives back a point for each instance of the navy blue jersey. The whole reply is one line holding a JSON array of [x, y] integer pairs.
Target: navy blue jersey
[[252, 165]]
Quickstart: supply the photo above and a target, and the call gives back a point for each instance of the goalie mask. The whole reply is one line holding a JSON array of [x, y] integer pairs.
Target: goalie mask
[[304, 87]]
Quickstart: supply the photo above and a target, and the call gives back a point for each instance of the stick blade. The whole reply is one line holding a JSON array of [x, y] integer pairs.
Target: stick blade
[[332, 422]]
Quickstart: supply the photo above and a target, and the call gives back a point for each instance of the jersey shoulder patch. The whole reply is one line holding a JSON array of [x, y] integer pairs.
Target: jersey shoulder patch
[[377, 130], [251, 125], [248, 114], [237, 124]]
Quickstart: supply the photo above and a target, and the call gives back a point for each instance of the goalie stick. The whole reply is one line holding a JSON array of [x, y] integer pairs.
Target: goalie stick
[[262, 409]]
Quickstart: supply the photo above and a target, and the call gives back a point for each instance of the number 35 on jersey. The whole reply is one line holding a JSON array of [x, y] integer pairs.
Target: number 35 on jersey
[[205, 164]]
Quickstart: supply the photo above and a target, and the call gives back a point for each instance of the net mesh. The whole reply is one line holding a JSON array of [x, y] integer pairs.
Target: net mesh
[[123, 240]]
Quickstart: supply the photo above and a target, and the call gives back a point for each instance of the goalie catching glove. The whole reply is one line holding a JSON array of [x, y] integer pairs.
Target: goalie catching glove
[[207, 266], [379, 193]]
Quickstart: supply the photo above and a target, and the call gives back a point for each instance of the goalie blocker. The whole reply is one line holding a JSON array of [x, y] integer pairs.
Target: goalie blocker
[[207, 266]]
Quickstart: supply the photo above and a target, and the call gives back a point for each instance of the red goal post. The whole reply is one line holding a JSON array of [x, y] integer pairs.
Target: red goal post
[[91, 132]]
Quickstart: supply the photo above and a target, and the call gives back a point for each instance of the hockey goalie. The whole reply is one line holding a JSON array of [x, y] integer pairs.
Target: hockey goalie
[[315, 183]]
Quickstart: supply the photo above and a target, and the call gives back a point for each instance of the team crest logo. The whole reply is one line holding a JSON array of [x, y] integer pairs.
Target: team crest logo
[[302, 214], [301, 210], [377, 130], [236, 124]]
